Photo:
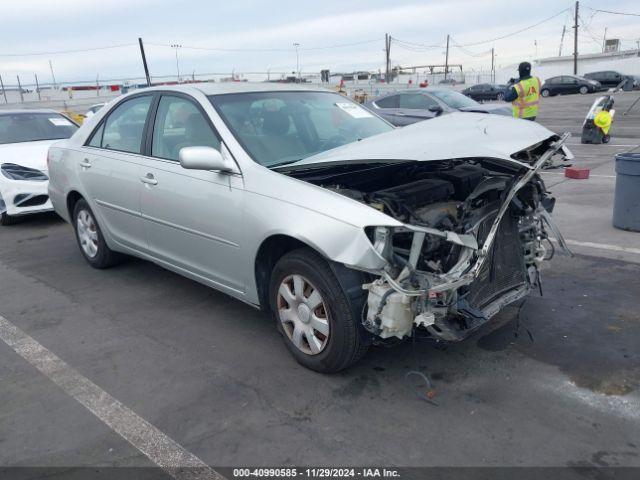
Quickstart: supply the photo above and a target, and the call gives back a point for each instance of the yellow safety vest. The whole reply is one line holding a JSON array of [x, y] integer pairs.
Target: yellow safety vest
[[526, 105]]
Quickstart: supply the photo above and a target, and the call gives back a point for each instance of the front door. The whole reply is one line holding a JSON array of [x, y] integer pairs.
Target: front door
[[192, 218]]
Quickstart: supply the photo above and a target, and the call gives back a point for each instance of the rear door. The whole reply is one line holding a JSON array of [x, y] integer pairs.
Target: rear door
[[415, 106], [109, 170], [192, 218]]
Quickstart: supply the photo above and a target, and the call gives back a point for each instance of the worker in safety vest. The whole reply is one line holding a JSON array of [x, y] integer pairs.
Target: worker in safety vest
[[524, 94]]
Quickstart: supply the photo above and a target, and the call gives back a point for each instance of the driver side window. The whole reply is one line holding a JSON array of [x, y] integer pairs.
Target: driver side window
[[179, 124]]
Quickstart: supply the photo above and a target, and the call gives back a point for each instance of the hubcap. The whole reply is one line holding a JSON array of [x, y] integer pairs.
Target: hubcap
[[87, 233], [303, 314]]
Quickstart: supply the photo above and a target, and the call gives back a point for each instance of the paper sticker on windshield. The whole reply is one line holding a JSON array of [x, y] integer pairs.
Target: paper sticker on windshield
[[60, 122], [354, 110]]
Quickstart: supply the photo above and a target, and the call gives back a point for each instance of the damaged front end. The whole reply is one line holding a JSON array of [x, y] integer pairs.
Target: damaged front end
[[473, 235], [461, 261]]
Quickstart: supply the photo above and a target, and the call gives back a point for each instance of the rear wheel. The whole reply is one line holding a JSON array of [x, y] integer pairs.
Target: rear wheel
[[545, 92], [500, 96], [584, 90], [313, 313], [90, 238]]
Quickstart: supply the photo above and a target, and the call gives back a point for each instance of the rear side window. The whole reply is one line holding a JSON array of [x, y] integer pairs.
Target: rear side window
[[416, 101], [124, 127], [389, 102], [179, 124]]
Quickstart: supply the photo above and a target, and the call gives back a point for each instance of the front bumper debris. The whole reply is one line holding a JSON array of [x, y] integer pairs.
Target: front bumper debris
[[394, 309]]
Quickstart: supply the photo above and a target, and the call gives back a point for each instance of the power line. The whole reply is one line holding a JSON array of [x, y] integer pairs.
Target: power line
[[218, 49], [416, 47], [517, 31], [615, 13], [60, 52]]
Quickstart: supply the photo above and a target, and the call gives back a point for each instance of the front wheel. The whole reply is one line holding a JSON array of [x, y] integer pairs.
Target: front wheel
[[584, 90], [90, 239], [313, 314], [6, 220], [545, 92], [500, 97]]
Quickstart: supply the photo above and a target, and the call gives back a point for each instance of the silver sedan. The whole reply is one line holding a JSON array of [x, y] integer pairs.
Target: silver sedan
[[349, 232]]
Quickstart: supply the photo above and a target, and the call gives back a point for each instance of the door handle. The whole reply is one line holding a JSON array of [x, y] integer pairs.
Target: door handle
[[149, 179], [85, 163]]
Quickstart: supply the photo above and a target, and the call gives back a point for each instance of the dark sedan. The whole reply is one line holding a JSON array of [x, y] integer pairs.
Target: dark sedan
[[485, 91], [567, 84], [610, 78], [411, 106]]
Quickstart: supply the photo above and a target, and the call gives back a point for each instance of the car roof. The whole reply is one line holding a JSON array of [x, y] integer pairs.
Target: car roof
[[222, 88], [28, 110]]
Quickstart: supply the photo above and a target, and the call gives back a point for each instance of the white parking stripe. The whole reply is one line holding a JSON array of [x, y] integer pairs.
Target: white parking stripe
[[155, 445], [603, 246]]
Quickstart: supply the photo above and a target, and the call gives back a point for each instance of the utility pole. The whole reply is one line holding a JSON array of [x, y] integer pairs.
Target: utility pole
[[37, 86], [493, 70], [575, 40], [52, 75], [604, 40], [296, 46], [387, 57], [4, 92], [446, 60], [177, 46], [144, 62], [564, 29], [20, 89]]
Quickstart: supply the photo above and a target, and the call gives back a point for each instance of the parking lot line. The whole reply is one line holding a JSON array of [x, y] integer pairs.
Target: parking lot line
[[149, 440], [603, 246]]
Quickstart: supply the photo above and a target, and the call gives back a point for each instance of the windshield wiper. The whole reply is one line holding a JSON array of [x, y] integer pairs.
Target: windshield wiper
[[284, 163]]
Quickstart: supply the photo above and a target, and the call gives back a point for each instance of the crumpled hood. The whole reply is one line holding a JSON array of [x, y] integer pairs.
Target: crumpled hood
[[27, 154], [457, 135]]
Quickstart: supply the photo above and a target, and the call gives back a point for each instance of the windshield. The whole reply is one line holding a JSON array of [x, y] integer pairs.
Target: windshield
[[277, 128], [30, 127], [454, 99]]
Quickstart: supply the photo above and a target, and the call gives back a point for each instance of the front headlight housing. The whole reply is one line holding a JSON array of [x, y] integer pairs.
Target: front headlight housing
[[18, 172]]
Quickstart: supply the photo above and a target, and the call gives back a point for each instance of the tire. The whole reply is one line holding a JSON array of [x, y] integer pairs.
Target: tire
[[314, 315], [6, 220], [90, 239], [584, 90], [545, 92], [500, 97]]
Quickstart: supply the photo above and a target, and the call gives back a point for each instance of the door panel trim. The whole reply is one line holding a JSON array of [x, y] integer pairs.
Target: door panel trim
[[189, 230]]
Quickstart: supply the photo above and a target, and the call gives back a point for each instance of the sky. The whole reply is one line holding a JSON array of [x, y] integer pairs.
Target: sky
[[259, 36]]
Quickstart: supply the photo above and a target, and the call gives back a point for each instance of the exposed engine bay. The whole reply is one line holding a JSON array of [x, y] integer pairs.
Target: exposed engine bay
[[475, 232]]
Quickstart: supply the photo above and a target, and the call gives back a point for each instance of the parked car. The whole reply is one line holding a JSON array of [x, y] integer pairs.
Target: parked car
[[450, 81], [91, 111], [609, 78], [25, 137], [485, 91], [410, 106], [566, 84], [305, 204]]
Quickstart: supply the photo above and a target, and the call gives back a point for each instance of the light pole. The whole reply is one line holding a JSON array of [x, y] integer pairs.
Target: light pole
[[177, 46], [296, 45]]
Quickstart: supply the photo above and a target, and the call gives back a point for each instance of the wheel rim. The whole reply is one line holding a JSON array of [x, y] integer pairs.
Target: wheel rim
[[584, 90], [303, 314], [87, 233], [500, 97]]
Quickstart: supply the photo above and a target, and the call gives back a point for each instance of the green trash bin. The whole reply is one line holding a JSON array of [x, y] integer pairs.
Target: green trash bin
[[626, 204]]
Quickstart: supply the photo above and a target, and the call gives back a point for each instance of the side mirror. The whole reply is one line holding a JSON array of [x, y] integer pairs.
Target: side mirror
[[204, 158], [437, 109]]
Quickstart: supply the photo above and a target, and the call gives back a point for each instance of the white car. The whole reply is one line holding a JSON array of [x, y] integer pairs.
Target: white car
[[93, 109], [25, 137]]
